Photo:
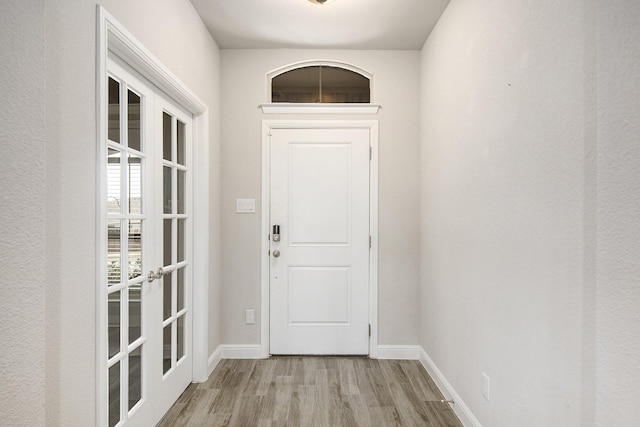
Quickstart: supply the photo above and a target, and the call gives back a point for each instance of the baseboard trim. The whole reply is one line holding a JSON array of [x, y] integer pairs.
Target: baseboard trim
[[213, 360], [459, 407], [398, 352], [243, 351]]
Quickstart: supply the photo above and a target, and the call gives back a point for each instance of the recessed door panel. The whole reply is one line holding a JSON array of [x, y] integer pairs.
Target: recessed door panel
[[319, 295], [320, 209]]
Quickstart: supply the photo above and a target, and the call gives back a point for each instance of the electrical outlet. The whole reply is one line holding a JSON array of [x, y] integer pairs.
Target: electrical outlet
[[250, 316], [486, 384]]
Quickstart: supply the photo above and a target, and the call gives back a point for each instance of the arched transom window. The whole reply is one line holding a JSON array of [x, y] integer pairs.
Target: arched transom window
[[319, 83]]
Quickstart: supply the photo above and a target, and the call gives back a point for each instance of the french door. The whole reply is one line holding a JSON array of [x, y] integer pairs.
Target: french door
[[149, 238]]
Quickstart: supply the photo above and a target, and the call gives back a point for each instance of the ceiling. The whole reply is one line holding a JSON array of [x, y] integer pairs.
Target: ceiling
[[342, 24]]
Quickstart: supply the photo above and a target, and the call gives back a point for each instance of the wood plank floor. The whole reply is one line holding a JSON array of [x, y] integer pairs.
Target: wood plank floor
[[313, 391]]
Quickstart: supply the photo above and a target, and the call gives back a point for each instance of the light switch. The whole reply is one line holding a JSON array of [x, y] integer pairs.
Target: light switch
[[245, 205]]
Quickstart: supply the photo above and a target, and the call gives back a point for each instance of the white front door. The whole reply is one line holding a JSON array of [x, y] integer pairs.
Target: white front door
[[319, 265], [148, 217]]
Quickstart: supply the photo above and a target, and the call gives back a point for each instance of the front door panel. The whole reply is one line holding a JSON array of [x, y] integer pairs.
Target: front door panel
[[319, 268]]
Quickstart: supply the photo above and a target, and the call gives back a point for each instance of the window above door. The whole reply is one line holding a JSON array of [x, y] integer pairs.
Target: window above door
[[319, 87], [320, 84]]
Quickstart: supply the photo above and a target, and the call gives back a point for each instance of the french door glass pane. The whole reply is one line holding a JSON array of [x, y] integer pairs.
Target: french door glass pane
[[113, 313], [166, 346], [166, 190], [114, 254], [166, 136], [135, 248], [166, 242], [166, 296], [133, 120], [135, 312], [114, 171], [181, 143], [114, 394], [134, 189], [135, 376], [181, 237], [180, 337], [180, 296], [181, 191], [113, 126]]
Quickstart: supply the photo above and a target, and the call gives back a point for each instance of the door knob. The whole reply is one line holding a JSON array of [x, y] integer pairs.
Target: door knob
[[276, 253], [158, 274]]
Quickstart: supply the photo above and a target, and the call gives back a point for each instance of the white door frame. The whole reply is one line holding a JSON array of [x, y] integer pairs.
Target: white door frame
[[113, 37], [267, 125]]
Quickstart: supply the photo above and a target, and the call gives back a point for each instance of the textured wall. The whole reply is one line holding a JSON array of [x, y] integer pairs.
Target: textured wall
[[22, 206], [618, 181], [506, 103], [396, 81]]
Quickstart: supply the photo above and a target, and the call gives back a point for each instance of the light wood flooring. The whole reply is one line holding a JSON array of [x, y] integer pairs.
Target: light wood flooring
[[313, 391]]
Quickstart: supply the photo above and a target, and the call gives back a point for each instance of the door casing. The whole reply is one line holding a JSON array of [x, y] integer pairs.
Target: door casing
[[267, 125]]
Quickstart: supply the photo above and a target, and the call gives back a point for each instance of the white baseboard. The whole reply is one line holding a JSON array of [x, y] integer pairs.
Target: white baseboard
[[398, 352], [213, 361], [459, 407], [243, 351]]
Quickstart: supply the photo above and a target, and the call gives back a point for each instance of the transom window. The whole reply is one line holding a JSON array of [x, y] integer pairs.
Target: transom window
[[321, 84]]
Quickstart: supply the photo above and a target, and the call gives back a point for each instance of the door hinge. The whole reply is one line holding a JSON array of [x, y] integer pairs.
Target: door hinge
[[370, 153], [369, 242], [369, 329]]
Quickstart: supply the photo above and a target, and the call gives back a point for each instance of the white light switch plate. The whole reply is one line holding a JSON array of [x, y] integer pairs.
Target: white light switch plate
[[250, 316], [245, 205]]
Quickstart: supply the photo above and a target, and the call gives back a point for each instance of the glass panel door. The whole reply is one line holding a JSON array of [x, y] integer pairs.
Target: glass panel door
[[127, 243], [174, 245], [147, 286], [175, 218]]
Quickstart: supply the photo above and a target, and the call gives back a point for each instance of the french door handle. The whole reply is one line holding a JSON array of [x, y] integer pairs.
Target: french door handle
[[158, 274]]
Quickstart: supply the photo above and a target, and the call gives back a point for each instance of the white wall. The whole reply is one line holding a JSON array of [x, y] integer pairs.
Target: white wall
[[530, 209], [22, 206], [618, 214], [396, 82], [506, 108], [49, 193]]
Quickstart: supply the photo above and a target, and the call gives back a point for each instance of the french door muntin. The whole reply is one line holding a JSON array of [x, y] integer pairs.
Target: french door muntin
[[148, 225]]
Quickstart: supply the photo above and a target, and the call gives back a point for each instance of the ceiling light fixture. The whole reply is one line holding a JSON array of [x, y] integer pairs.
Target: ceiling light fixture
[[321, 1]]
